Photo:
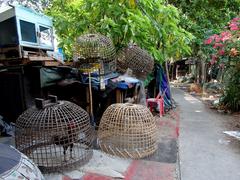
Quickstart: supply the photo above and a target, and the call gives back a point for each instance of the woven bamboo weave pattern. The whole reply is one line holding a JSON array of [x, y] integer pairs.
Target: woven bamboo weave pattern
[[92, 48], [128, 131], [135, 58], [56, 135]]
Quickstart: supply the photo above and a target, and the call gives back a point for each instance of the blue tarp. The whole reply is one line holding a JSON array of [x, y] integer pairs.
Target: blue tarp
[[162, 84]]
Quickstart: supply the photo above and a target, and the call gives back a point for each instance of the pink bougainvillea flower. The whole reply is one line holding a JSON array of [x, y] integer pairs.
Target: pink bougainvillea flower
[[221, 52], [225, 35], [234, 28], [208, 41], [217, 39], [235, 19], [214, 36], [233, 24], [216, 45]]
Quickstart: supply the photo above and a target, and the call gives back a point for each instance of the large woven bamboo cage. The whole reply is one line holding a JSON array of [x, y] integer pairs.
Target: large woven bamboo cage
[[128, 131], [136, 59], [95, 48], [56, 135]]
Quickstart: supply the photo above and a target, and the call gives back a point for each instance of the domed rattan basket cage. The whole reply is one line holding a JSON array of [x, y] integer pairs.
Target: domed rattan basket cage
[[128, 131], [56, 135], [135, 58], [95, 48]]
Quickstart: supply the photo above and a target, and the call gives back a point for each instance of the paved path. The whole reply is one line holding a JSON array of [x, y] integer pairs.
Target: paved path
[[205, 152]]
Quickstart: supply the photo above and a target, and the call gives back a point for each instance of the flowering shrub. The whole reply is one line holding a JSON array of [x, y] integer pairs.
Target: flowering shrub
[[224, 48]]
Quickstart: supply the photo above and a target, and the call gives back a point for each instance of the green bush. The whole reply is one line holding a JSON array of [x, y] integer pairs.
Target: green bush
[[231, 97]]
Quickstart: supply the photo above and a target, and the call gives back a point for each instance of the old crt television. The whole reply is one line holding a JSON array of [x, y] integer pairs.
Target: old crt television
[[24, 28]]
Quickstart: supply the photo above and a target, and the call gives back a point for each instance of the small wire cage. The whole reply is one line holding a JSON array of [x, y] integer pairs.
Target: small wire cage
[[92, 48], [56, 135], [128, 131], [135, 58]]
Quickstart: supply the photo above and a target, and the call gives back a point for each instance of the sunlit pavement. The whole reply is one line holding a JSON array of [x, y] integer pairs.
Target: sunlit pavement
[[205, 152]]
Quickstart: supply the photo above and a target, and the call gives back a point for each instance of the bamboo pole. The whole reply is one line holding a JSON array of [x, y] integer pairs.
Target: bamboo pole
[[90, 96]]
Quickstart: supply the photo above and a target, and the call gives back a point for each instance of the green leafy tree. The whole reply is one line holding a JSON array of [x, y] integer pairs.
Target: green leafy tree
[[152, 25], [205, 17]]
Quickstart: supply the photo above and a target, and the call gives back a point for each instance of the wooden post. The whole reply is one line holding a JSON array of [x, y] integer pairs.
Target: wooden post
[[90, 98], [197, 72], [119, 96], [203, 72], [173, 78]]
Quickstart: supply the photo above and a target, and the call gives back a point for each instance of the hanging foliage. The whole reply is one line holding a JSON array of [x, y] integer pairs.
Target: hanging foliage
[[205, 17], [152, 25]]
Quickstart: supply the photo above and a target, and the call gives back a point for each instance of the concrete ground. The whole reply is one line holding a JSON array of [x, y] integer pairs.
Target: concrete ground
[[205, 152]]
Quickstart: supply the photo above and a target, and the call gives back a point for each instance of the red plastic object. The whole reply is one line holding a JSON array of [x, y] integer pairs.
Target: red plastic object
[[159, 101]]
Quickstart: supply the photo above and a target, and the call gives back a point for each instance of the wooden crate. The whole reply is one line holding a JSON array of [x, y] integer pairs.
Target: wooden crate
[[51, 63]]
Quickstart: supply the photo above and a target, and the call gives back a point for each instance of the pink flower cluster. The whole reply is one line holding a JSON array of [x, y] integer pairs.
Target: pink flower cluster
[[226, 35], [218, 41], [234, 24]]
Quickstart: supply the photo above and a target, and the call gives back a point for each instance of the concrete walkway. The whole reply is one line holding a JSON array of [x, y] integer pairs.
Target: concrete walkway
[[205, 152]]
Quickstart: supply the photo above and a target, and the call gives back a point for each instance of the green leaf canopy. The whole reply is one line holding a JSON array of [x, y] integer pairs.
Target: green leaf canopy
[[153, 25]]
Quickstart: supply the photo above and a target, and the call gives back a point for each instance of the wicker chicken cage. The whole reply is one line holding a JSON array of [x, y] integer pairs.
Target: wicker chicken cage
[[136, 59], [128, 131], [56, 135], [95, 48]]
